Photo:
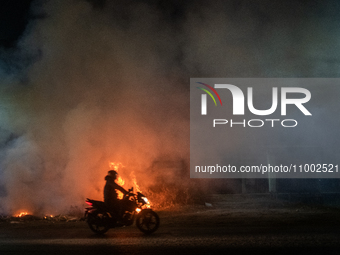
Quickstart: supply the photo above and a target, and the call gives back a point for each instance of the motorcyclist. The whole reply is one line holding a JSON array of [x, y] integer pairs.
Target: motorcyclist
[[111, 196]]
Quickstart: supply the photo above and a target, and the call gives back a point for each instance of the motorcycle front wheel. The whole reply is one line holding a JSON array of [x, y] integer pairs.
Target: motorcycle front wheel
[[147, 221], [98, 222]]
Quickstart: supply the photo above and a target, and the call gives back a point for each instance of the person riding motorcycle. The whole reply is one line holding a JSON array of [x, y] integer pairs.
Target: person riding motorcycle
[[111, 196], [114, 212]]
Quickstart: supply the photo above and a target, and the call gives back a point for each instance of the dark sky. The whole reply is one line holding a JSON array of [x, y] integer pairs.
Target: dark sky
[[14, 15]]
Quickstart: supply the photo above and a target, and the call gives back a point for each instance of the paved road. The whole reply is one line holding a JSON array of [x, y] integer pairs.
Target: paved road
[[215, 231]]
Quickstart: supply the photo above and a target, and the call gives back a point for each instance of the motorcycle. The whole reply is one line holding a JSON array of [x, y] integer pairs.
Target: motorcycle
[[135, 207]]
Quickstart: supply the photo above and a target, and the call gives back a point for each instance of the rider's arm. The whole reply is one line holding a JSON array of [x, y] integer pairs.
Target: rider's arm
[[120, 188]]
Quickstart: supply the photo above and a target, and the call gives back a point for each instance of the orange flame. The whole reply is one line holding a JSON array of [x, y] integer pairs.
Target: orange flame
[[134, 180], [116, 166], [21, 214]]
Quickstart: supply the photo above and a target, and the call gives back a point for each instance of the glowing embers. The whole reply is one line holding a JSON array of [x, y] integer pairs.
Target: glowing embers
[[21, 214], [48, 217]]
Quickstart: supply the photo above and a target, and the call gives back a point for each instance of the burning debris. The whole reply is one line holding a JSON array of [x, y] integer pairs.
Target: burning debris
[[29, 218], [167, 189], [74, 213], [121, 182], [22, 214], [64, 218]]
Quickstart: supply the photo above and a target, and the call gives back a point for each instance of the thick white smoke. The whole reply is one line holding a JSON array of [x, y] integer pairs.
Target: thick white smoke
[[98, 93]]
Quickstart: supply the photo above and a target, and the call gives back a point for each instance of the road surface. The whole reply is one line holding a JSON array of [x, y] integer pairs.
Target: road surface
[[226, 228]]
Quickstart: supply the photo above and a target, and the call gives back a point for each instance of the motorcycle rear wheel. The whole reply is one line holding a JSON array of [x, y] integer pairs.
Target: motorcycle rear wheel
[[147, 221], [98, 222]]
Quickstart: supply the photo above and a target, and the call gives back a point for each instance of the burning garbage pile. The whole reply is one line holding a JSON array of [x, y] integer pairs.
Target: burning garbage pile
[[121, 182], [164, 190], [164, 185], [27, 217], [74, 214]]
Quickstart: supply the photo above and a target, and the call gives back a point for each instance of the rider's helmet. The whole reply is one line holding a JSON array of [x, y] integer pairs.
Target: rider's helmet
[[113, 173]]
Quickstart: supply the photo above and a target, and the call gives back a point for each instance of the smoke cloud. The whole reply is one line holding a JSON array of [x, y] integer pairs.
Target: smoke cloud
[[97, 93], [94, 82]]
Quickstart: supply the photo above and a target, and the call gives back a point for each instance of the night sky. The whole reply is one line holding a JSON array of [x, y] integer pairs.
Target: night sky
[[14, 16]]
